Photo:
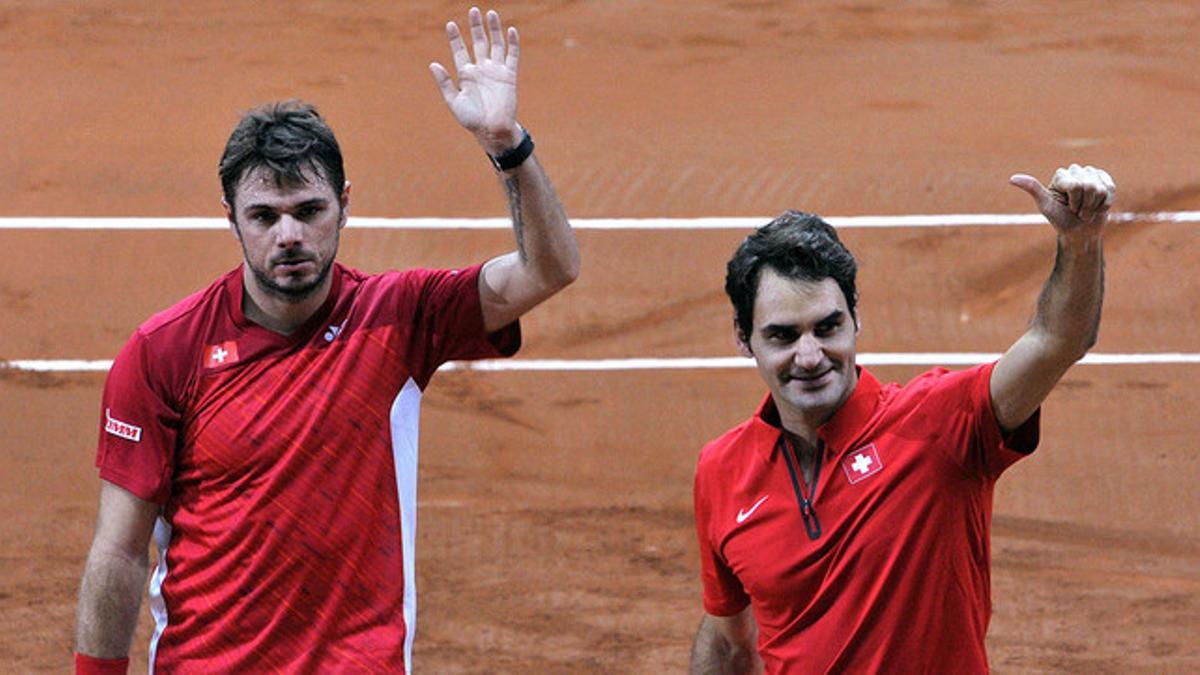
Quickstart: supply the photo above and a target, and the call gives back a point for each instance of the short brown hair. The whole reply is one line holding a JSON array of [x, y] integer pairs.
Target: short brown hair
[[796, 245], [286, 137]]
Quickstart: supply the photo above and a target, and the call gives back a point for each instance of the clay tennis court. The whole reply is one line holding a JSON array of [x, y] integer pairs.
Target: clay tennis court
[[555, 518]]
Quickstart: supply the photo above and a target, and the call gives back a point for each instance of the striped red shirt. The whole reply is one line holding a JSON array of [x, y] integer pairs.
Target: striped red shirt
[[286, 467]]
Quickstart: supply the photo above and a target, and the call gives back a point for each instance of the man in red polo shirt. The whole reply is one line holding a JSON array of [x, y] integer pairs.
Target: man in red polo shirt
[[265, 429], [845, 526]]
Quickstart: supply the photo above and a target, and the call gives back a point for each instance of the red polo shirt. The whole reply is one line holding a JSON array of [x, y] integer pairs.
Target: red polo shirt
[[286, 466], [897, 578]]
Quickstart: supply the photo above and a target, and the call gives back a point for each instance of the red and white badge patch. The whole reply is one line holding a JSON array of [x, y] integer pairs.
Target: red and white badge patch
[[862, 463], [121, 429], [223, 354]]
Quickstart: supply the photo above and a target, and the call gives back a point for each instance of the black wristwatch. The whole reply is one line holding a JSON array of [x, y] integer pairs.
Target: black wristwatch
[[511, 159]]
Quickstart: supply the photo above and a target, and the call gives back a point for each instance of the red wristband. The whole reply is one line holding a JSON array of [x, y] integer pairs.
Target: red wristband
[[90, 665]]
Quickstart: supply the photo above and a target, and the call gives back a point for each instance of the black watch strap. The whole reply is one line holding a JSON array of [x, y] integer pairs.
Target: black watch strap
[[511, 159]]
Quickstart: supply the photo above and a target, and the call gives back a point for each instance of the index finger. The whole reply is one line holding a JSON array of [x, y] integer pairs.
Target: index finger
[[1065, 184], [458, 48]]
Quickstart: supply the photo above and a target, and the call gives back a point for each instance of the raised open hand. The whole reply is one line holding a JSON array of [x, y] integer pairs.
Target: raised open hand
[[1077, 201], [485, 99]]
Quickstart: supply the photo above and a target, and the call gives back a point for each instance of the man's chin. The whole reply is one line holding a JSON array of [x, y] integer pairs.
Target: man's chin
[[291, 288], [297, 291], [811, 403]]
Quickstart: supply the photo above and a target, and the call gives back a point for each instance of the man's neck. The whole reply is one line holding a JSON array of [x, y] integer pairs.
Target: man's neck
[[801, 433], [278, 314], [802, 436], [805, 447]]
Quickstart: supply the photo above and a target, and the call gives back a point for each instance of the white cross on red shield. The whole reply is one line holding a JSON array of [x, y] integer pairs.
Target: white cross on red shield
[[862, 463]]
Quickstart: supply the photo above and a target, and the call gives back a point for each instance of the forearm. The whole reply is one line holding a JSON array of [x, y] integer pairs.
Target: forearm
[[484, 102], [1067, 319], [716, 657], [546, 245], [713, 653], [109, 598]]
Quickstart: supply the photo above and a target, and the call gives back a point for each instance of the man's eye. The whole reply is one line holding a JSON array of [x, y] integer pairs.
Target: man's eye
[[309, 211]]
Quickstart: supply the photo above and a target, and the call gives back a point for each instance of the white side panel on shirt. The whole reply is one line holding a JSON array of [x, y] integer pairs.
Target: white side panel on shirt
[[404, 421], [158, 607]]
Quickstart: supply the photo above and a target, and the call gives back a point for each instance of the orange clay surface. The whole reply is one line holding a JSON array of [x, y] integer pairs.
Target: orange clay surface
[[555, 524]]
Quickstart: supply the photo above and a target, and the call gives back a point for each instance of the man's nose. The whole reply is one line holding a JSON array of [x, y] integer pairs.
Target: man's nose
[[808, 352], [289, 231]]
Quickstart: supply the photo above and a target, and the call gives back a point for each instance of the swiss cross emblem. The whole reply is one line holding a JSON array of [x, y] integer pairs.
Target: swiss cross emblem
[[223, 354], [862, 463]]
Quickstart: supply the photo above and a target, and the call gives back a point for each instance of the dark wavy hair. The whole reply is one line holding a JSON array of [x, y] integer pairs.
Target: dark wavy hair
[[796, 245], [286, 137]]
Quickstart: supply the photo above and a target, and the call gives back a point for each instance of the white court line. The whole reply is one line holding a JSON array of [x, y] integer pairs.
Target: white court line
[[564, 365], [866, 359], [739, 223]]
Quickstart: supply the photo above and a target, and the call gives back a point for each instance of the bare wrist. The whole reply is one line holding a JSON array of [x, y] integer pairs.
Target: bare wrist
[[1081, 242], [497, 142]]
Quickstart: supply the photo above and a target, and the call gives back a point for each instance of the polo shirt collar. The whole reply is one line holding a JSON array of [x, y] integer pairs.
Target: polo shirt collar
[[839, 431]]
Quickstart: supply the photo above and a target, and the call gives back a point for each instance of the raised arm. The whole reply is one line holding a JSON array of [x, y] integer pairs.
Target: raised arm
[[485, 102], [114, 577], [1067, 319]]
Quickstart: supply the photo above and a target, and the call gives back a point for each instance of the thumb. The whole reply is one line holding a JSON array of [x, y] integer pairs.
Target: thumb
[[443, 81], [1032, 186]]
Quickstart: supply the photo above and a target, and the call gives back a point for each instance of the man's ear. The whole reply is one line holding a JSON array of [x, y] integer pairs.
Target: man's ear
[[344, 201], [233, 226], [743, 343]]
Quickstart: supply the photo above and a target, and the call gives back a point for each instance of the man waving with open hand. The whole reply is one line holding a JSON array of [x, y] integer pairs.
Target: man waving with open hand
[[264, 429]]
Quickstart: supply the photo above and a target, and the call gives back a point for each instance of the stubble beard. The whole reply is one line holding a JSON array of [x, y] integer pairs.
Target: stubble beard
[[291, 294]]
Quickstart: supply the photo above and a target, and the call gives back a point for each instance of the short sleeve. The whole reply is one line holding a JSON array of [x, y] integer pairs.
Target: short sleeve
[[1001, 450], [723, 592], [960, 402], [138, 428], [450, 321]]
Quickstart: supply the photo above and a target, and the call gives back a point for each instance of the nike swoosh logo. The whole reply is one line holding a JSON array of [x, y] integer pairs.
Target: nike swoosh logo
[[744, 514]]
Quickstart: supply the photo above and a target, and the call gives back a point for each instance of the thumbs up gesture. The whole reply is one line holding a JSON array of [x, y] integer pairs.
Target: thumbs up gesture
[[1077, 201]]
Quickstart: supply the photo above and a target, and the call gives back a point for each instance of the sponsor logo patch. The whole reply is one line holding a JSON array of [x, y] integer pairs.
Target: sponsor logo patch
[[862, 463], [121, 429], [334, 331], [223, 354], [743, 514]]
